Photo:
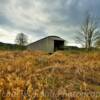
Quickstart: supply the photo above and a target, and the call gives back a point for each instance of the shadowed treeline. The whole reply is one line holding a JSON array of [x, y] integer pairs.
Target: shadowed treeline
[[4, 46]]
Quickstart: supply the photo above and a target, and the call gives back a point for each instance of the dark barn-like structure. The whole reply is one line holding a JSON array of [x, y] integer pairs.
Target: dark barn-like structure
[[48, 44]]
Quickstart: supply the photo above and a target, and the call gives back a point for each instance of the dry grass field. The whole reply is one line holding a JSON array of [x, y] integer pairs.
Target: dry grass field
[[37, 75]]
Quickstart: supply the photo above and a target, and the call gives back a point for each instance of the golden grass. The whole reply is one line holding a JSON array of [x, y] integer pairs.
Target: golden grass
[[40, 76]]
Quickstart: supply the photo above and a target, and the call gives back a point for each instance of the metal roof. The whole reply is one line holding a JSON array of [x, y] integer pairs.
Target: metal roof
[[51, 37], [55, 38]]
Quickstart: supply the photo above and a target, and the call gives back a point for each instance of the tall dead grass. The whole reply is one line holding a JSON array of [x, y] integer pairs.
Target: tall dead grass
[[40, 76]]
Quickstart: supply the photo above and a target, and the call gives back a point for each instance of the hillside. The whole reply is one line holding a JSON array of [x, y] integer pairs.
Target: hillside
[[6, 46], [40, 76]]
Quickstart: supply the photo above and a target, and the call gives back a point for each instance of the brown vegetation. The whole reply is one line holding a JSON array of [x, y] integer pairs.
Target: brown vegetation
[[40, 76]]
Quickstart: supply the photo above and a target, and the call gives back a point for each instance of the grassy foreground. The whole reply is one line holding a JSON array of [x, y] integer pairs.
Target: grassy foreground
[[37, 75]]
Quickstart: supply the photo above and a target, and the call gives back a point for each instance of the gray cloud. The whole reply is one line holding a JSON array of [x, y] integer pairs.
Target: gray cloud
[[39, 18]]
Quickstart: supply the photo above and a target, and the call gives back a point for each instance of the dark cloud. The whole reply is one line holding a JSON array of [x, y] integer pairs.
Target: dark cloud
[[4, 21], [39, 18]]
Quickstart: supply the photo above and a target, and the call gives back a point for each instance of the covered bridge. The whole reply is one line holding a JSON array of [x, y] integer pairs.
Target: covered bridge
[[48, 44]]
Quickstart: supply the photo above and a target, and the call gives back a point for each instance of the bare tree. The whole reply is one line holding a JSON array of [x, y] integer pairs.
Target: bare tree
[[21, 39], [89, 32]]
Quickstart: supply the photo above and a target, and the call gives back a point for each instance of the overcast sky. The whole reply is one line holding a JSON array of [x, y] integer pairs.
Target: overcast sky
[[40, 18]]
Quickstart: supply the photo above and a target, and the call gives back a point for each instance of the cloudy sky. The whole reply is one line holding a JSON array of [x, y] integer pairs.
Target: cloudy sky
[[40, 18]]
